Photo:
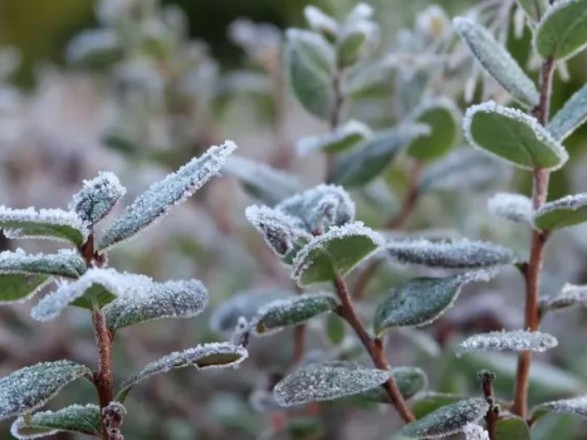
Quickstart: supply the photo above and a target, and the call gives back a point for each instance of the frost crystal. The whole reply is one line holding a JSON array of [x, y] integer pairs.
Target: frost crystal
[[74, 418], [576, 405], [66, 263], [97, 197], [163, 195], [514, 207], [277, 229], [568, 211], [475, 432], [517, 340]]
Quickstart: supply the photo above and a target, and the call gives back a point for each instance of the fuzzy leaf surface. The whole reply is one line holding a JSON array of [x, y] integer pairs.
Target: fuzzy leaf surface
[[65, 263], [97, 197], [516, 340], [575, 405], [409, 380], [562, 213], [513, 207], [571, 116], [570, 296]]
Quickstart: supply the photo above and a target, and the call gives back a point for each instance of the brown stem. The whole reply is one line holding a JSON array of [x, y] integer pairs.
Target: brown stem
[[335, 118], [374, 347], [103, 377], [299, 339], [492, 415], [533, 270]]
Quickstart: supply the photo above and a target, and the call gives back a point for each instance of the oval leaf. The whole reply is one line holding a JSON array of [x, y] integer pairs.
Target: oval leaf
[[562, 31], [163, 195], [29, 388], [571, 116], [562, 213], [514, 207], [420, 301], [293, 311], [334, 253], [461, 254], [343, 138], [448, 419], [576, 405], [512, 428], [172, 299], [513, 136], [409, 380], [65, 263], [517, 340], [569, 296], [84, 419], [16, 287], [495, 58], [329, 381]]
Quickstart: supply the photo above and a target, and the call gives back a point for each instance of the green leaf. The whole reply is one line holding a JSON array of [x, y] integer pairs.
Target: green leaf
[[342, 138], [65, 263], [420, 301], [516, 340], [409, 380], [448, 419], [310, 66], [366, 162], [293, 311], [512, 428], [335, 329], [204, 356], [172, 299], [569, 296], [84, 419], [355, 41], [163, 195], [575, 405], [571, 116], [562, 31], [16, 287], [327, 381], [495, 58], [441, 115], [562, 213], [334, 253], [29, 388], [534, 9], [513, 136], [50, 224], [431, 401], [97, 197]]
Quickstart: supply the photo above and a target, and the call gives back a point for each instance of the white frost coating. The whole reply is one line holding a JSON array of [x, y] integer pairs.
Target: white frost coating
[[576, 405], [571, 116], [161, 196], [432, 22], [119, 284], [517, 340], [475, 432], [362, 11], [73, 418], [352, 132], [90, 42], [319, 21], [541, 133], [429, 104], [97, 197], [571, 202], [570, 295], [278, 229], [514, 207], [65, 263]]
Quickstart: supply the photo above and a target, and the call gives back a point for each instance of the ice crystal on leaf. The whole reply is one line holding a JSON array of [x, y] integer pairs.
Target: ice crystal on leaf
[[514, 207], [517, 340], [475, 432], [97, 197], [66, 263]]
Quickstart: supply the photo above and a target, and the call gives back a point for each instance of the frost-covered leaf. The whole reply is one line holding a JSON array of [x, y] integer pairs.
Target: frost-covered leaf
[[278, 229], [343, 138], [309, 60], [328, 381], [16, 287], [172, 299], [441, 115], [334, 253], [513, 136], [562, 31], [448, 419], [29, 388], [51, 224], [84, 419], [512, 428], [163, 195], [514, 207], [431, 401], [96, 285], [571, 116], [495, 58], [320, 21], [95, 48], [335, 329], [212, 355], [459, 254], [562, 213], [261, 181], [420, 301], [65, 263], [533, 8], [368, 160], [97, 197], [293, 311], [473, 431], [575, 405], [355, 41], [516, 340], [409, 381], [570, 296]]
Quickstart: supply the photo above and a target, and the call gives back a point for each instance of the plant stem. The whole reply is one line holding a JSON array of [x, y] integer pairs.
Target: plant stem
[[533, 270], [335, 118], [374, 347], [492, 415]]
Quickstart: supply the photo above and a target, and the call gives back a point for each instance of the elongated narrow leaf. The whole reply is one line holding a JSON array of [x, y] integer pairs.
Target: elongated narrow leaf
[[328, 381], [409, 380], [95, 48], [261, 181], [293, 311], [514, 207], [562, 31], [172, 299], [448, 419], [571, 116], [309, 62], [213, 355], [50, 224], [534, 9], [569, 296], [84, 419], [367, 161], [344, 137], [576, 405], [512, 428], [65, 263], [29, 388], [562, 213], [420, 301], [513, 136], [495, 58], [163, 195], [517, 340], [96, 285], [97, 197], [460, 254], [321, 22], [16, 287], [431, 401], [334, 253]]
